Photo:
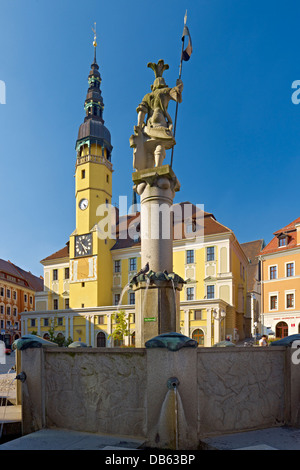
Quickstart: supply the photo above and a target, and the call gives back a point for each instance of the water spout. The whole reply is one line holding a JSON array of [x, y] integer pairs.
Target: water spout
[[171, 431], [21, 376]]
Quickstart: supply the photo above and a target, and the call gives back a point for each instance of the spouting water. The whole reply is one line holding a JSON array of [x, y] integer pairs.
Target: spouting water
[[174, 291], [125, 289], [172, 429]]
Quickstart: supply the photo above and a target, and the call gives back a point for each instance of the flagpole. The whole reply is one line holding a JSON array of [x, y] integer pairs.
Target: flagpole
[[180, 72]]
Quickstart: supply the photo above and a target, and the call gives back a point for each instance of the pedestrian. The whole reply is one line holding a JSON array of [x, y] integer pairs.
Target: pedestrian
[[263, 341]]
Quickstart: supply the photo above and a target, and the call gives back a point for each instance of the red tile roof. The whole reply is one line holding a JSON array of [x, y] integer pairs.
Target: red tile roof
[[33, 282], [211, 227], [63, 253], [290, 231]]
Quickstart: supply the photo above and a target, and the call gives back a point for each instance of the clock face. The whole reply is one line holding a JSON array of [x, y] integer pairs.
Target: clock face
[[83, 245], [83, 204]]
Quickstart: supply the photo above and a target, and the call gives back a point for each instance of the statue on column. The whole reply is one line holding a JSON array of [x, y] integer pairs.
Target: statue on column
[[153, 134]]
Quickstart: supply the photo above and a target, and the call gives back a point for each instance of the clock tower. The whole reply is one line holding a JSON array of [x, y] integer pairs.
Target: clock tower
[[90, 257]]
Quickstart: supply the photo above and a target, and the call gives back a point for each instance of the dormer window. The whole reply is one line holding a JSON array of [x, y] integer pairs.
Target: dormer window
[[282, 240]]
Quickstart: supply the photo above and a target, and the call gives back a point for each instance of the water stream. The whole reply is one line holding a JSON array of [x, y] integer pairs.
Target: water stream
[[125, 289], [172, 429]]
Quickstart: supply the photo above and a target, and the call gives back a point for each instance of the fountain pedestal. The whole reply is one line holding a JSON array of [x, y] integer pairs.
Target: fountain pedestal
[[157, 303], [157, 306]]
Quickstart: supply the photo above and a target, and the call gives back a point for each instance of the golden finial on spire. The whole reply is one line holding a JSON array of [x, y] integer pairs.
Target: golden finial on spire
[[95, 35]]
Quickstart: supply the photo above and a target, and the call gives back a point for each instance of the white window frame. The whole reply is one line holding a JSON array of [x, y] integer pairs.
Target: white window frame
[[286, 293], [273, 294], [285, 267], [273, 266]]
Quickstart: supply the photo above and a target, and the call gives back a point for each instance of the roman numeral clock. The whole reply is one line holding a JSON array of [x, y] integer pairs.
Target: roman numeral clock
[[83, 245]]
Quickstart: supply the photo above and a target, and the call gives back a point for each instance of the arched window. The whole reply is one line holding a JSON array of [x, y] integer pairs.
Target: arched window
[[101, 340], [281, 329], [198, 336]]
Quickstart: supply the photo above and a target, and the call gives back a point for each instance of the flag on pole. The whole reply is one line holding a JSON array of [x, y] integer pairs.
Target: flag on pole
[[186, 54]]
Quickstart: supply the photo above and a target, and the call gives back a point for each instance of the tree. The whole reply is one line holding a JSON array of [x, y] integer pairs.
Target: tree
[[120, 328]]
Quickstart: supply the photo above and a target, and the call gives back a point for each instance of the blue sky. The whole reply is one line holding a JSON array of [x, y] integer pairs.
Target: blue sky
[[238, 139]]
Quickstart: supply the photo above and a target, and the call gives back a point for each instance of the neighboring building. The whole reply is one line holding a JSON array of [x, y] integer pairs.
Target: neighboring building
[[280, 280], [17, 294], [87, 279], [252, 250]]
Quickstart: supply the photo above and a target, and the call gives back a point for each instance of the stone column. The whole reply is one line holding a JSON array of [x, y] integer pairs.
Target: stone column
[[157, 303], [187, 323], [92, 321], [66, 326], [38, 326], [209, 324], [87, 330], [156, 187]]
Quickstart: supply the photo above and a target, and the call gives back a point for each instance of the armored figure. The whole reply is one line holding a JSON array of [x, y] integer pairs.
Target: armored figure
[[154, 136]]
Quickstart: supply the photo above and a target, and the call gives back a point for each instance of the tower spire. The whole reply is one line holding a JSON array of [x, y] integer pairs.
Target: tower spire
[[95, 41]]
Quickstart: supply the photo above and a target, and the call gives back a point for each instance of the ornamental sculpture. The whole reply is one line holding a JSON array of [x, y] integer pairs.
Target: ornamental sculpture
[[153, 134]]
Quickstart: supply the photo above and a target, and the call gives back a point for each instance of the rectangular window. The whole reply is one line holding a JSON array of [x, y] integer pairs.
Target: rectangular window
[[2, 291], [282, 242], [46, 321], [198, 315], [273, 302], [289, 269], [1, 308], [82, 174], [289, 300], [100, 319], [117, 299], [210, 292], [14, 295], [190, 293], [2, 323], [67, 304], [8, 293], [132, 264], [190, 256], [15, 311], [55, 304], [273, 272], [210, 253], [25, 298], [31, 300], [8, 310], [60, 321], [132, 298], [32, 322], [117, 266], [55, 275], [67, 273]]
